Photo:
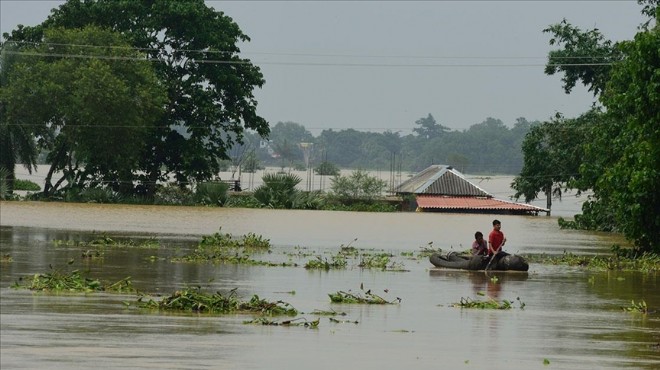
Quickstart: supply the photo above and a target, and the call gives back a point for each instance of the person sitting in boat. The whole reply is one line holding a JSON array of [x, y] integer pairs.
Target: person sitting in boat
[[479, 246], [496, 239]]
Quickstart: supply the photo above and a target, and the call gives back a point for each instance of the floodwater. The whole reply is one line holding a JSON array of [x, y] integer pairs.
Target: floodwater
[[572, 318]]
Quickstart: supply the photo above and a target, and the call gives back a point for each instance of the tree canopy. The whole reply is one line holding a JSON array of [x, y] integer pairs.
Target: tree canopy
[[193, 51], [615, 150]]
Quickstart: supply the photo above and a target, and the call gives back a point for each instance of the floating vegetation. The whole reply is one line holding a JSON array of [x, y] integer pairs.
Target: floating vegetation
[[57, 281], [327, 313], [301, 321], [106, 241], [639, 307], [6, 258], [546, 361], [428, 250], [224, 248], [646, 262], [490, 304], [337, 261], [224, 255], [194, 300], [368, 297], [332, 319], [248, 241], [382, 261]]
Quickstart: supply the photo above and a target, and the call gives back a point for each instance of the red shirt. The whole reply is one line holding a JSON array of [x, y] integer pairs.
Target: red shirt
[[495, 239]]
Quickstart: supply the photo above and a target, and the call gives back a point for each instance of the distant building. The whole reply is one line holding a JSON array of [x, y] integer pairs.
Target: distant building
[[441, 188]]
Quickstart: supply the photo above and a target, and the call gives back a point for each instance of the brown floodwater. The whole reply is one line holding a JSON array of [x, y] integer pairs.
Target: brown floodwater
[[572, 318]]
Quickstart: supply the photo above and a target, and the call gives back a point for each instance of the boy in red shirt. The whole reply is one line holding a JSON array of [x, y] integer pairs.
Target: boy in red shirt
[[496, 239]]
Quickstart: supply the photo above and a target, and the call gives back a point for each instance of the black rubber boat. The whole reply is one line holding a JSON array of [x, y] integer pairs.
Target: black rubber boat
[[502, 262]]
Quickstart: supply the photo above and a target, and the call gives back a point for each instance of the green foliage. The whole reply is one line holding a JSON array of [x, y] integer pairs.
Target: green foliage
[[370, 206], [211, 193], [301, 321], [585, 56], [620, 260], [327, 169], [194, 300], [4, 183], [243, 201], [639, 307], [490, 304], [279, 191], [429, 128], [224, 248], [367, 298], [79, 97], [553, 153], [381, 261], [173, 194], [26, 185], [337, 261], [359, 185], [208, 105], [57, 281], [617, 151], [249, 241]]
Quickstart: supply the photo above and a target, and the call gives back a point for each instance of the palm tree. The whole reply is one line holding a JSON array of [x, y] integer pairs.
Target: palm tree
[[16, 141]]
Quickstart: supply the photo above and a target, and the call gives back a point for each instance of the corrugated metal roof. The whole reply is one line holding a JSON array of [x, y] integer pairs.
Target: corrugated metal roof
[[471, 203], [441, 180]]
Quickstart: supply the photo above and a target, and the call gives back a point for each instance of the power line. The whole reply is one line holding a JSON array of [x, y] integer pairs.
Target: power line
[[300, 54]]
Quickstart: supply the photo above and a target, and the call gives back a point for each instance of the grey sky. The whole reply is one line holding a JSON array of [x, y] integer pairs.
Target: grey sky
[[381, 65]]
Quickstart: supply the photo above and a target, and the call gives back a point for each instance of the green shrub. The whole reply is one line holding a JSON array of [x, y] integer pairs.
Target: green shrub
[[173, 194], [26, 185], [211, 193]]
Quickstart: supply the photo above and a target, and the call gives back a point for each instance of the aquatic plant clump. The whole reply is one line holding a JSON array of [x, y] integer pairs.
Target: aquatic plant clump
[[490, 304], [227, 249], [74, 281], [295, 322], [646, 262], [106, 241], [194, 300], [321, 263], [368, 298], [382, 261], [639, 307], [248, 241]]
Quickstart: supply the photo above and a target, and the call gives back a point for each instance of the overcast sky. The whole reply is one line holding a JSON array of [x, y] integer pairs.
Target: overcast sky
[[382, 65]]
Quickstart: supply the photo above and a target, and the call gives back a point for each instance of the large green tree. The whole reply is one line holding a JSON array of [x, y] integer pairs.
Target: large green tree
[[629, 184], [17, 140], [92, 108], [194, 50], [619, 148], [553, 153]]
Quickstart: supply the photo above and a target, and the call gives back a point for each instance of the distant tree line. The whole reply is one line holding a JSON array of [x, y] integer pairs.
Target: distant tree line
[[487, 147]]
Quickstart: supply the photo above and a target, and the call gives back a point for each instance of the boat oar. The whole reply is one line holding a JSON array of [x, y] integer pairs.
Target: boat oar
[[491, 260]]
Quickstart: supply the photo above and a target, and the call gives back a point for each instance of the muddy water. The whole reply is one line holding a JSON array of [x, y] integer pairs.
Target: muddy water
[[571, 317]]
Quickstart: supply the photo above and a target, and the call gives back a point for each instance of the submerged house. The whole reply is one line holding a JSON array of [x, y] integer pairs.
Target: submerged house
[[441, 188]]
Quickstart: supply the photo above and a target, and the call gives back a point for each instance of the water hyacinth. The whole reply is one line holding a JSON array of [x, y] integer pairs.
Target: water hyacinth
[[74, 281], [194, 300]]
